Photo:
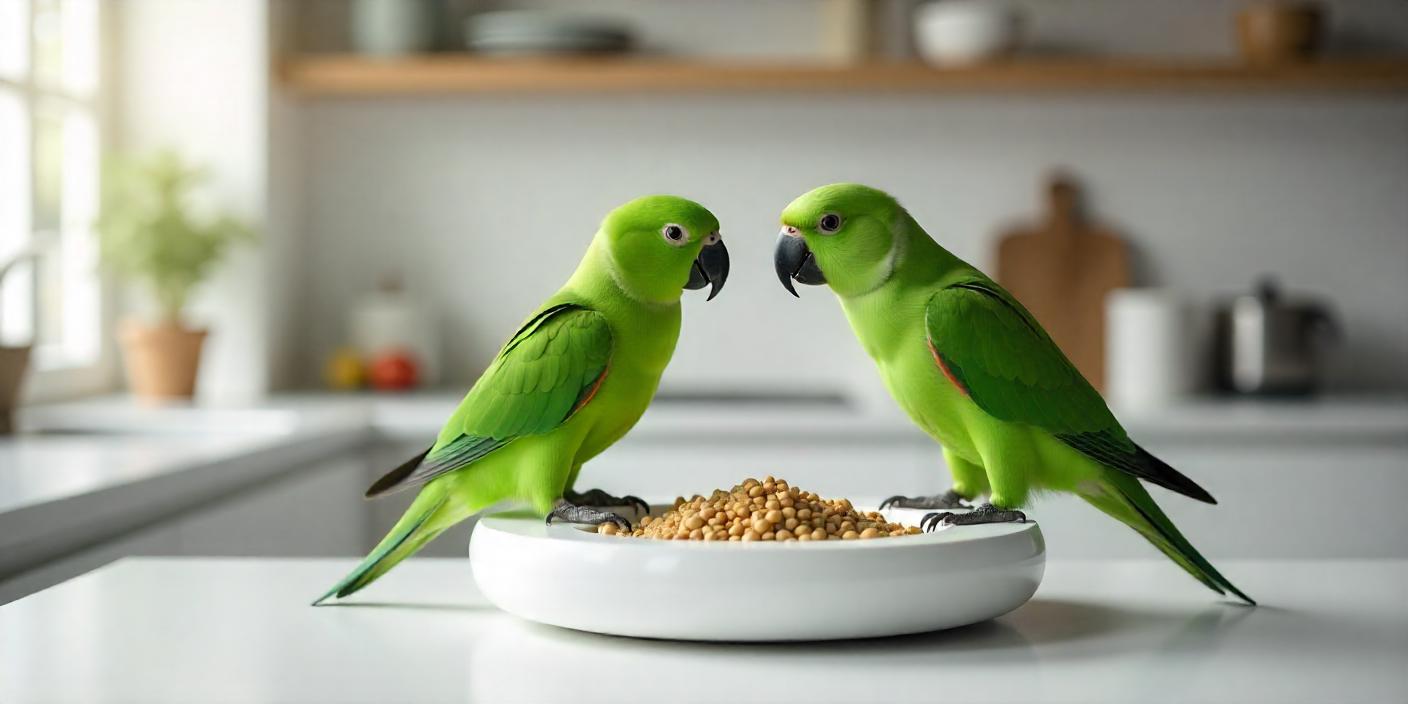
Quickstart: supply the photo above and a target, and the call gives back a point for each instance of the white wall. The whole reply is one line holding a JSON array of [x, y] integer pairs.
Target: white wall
[[486, 202]]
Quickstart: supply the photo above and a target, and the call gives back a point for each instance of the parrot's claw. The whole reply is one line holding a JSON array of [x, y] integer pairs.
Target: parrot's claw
[[948, 499], [567, 512], [599, 498], [986, 513]]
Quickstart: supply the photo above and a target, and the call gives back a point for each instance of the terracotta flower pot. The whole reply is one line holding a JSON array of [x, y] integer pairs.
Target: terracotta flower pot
[[161, 360], [13, 362]]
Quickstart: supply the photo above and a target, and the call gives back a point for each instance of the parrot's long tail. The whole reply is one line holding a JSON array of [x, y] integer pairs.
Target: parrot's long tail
[[1125, 499], [428, 516]]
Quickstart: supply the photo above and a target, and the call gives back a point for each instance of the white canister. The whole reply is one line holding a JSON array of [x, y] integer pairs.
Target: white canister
[[1150, 353]]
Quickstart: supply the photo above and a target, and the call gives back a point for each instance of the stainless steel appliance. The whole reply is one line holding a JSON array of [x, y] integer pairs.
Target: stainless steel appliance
[[1268, 343]]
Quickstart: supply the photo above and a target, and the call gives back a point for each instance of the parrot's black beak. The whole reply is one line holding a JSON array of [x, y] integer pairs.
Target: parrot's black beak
[[710, 269], [794, 261]]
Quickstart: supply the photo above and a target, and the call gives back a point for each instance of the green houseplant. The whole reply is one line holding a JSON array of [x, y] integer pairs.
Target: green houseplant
[[150, 234]]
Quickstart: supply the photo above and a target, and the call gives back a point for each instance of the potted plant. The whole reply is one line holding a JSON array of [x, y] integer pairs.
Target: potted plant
[[150, 234], [14, 359]]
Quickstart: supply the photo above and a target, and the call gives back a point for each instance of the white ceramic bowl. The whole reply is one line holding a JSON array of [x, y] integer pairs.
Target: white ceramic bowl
[[965, 31], [565, 576]]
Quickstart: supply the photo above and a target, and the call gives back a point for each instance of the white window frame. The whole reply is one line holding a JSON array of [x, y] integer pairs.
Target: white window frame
[[49, 378]]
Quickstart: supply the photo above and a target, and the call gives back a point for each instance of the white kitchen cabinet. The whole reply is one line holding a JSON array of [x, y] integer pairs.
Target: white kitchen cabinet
[[1293, 480], [315, 512], [312, 511], [160, 540], [1279, 497], [1291, 499]]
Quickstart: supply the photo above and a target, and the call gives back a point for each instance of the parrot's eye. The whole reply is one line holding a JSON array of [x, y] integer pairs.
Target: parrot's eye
[[829, 224], [674, 234], [712, 238]]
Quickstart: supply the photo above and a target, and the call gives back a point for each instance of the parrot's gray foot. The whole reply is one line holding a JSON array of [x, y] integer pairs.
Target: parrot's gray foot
[[598, 498], [986, 513], [948, 499], [567, 512]]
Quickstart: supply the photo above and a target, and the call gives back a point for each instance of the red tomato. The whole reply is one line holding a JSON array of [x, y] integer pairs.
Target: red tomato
[[394, 371]]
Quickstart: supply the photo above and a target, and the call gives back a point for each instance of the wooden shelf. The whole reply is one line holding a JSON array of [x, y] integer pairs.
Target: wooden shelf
[[335, 75]]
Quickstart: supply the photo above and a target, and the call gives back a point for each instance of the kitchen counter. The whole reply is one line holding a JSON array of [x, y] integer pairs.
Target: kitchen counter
[[77, 450], [420, 415], [206, 630], [92, 470], [1333, 418], [65, 486], [75, 454]]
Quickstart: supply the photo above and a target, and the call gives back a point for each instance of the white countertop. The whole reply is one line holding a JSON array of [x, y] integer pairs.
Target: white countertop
[[70, 486], [41, 470], [421, 415], [77, 449], [1333, 418], [145, 630], [104, 465]]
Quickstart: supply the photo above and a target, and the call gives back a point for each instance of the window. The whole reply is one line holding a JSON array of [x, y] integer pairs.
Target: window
[[49, 172]]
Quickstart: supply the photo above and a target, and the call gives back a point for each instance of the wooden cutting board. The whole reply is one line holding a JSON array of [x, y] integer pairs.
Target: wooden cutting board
[[1061, 268]]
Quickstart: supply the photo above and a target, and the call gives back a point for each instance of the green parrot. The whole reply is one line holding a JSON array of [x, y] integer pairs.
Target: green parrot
[[573, 380], [974, 370]]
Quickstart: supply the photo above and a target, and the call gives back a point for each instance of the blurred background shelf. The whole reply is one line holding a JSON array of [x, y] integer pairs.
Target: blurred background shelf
[[360, 76]]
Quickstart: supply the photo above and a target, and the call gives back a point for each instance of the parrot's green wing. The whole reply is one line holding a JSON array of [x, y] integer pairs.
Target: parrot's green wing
[[550, 368], [994, 351]]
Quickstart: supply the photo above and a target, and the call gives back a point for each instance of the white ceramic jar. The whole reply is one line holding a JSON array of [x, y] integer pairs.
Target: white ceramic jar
[[1150, 355], [955, 32]]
